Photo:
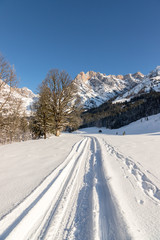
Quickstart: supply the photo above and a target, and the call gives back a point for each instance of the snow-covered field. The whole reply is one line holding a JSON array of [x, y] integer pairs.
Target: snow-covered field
[[84, 185]]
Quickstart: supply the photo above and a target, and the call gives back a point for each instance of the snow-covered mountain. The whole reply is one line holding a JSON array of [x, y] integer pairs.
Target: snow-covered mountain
[[27, 97], [150, 82], [97, 88], [17, 95]]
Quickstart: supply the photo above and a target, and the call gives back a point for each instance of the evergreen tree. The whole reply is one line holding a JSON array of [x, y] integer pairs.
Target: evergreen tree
[[40, 123]]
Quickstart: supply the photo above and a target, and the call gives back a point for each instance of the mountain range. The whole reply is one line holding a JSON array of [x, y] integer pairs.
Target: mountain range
[[95, 88]]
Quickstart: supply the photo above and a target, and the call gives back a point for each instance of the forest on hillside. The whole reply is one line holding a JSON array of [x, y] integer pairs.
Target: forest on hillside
[[113, 116]]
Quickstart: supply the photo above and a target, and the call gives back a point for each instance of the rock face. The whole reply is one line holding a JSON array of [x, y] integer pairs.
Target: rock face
[[96, 88]]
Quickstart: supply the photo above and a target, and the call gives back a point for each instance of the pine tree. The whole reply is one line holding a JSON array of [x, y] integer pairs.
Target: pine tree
[[41, 121]]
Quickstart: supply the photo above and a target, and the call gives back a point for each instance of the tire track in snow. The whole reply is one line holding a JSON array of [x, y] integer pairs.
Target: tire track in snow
[[73, 202], [60, 226], [111, 225], [30, 213], [96, 215]]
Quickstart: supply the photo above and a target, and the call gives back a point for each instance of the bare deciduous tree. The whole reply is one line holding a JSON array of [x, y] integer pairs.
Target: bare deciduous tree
[[11, 119], [8, 81], [56, 108], [61, 99]]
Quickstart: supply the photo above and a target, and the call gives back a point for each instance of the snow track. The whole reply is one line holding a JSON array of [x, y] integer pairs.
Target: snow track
[[147, 186], [73, 202]]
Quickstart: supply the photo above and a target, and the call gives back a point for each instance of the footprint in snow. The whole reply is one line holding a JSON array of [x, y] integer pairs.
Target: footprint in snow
[[141, 202]]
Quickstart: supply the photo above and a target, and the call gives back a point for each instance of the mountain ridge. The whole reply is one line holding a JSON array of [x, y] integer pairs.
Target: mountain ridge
[[95, 88]]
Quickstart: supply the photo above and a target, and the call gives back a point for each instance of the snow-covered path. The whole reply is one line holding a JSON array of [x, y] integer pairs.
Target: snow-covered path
[[73, 202], [83, 185]]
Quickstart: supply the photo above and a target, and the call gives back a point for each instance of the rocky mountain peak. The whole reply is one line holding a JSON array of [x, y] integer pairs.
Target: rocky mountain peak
[[94, 88], [138, 75], [85, 76], [120, 77]]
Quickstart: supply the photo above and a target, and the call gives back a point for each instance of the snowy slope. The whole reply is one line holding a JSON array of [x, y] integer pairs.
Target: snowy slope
[[150, 125], [25, 95], [105, 186]]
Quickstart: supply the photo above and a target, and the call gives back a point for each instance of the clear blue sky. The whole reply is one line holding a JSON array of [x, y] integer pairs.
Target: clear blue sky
[[108, 36]]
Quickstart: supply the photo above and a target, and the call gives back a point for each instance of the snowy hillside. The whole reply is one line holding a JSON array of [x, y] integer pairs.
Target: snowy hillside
[[25, 95], [150, 124], [84, 185], [96, 88]]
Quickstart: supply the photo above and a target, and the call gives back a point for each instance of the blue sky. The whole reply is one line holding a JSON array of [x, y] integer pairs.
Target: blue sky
[[108, 36]]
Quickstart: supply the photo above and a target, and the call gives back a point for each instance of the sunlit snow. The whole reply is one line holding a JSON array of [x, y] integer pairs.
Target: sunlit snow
[[83, 185]]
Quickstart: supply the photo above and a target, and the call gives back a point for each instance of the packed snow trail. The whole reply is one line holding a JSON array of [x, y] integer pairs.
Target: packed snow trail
[[73, 202]]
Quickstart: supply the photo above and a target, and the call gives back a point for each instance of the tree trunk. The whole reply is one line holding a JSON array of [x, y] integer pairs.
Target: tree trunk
[[57, 132], [45, 135]]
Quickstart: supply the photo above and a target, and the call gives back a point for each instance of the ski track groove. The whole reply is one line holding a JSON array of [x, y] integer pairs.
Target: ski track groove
[[73, 202], [9, 222]]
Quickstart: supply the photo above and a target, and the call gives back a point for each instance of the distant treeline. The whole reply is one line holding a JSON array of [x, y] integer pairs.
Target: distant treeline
[[113, 116]]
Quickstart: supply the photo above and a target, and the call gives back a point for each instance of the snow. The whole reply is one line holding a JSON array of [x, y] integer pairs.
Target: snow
[[148, 83], [155, 72], [150, 124], [25, 95], [24, 165], [84, 185]]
